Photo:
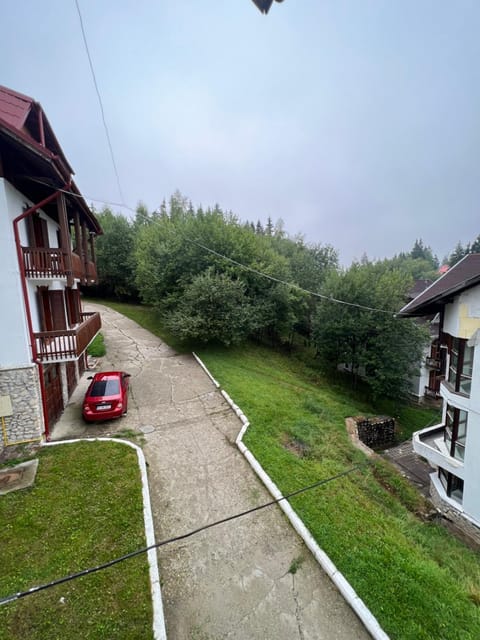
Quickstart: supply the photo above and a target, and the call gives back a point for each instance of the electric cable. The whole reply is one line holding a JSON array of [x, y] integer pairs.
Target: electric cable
[[292, 285], [289, 284], [84, 35], [81, 196], [23, 594]]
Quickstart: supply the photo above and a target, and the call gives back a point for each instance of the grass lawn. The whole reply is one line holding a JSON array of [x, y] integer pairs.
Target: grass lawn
[[97, 347], [419, 581], [84, 508]]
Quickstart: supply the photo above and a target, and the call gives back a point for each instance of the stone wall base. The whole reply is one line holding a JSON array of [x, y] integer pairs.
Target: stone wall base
[[23, 387]]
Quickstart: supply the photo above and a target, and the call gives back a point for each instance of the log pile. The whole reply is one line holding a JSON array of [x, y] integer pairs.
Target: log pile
[[376, 433]]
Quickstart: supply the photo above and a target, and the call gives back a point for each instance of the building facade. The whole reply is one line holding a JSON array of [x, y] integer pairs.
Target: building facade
[[452, 446], [47, 237]]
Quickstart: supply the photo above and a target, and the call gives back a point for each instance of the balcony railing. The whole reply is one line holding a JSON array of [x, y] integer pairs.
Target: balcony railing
[[433, 363], [44, 263], [86, 273], [77, 266], [91, 272], [52, 263], [69, 344], [430, 444]]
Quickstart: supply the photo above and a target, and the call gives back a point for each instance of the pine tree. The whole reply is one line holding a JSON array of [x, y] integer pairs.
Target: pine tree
[[269, 227]]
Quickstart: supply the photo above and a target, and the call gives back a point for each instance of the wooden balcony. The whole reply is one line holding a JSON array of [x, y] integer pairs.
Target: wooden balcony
[[52, 263], [77, 266], [433, 363], [69, 344], [87, 274], [44, 263], [91, 272]]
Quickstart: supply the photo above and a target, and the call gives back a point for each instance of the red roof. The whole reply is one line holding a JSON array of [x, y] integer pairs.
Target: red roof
[[27, 120], [14, 107], [23, 120], [462, 276]]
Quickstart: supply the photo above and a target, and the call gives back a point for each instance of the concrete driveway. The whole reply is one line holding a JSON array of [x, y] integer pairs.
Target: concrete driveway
[[232, 581]]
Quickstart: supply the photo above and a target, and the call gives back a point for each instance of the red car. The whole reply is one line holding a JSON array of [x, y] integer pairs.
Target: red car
[[107, 396]]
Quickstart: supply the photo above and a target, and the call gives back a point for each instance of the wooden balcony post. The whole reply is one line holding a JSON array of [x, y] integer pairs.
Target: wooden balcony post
[[65, 237], [78, 242], [92, 247], [85, 251]]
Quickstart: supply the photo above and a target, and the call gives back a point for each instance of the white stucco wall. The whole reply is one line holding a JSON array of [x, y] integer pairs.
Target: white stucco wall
[[421, 380], [471, 494], [462, 316], [14, 347], [471, 497], [462, 320]]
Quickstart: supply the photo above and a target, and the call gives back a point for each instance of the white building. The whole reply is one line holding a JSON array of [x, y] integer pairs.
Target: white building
[[46, 251], [453, 446]]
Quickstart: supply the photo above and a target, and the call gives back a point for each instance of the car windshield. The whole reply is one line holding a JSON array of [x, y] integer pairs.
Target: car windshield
[[105, 388]]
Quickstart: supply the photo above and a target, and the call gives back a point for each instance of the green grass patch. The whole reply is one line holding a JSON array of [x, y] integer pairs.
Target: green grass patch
[[84, 508], [97, 347], [419, 581]]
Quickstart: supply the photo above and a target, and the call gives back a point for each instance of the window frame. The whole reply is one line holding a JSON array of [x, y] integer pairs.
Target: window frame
[[453, 485], [455, 433], [460, 366]]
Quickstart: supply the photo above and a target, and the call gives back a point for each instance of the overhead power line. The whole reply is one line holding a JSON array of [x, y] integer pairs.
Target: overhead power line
[[292, 285], [73, 576], [289, 284], [112, 155]]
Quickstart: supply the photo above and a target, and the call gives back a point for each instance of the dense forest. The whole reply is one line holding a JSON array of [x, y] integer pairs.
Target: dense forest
[[214, 278]]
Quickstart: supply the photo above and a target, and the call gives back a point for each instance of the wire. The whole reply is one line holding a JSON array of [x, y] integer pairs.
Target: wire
[[99, 101], [133, 554], [81, 196], [289, 284], [292, 285]]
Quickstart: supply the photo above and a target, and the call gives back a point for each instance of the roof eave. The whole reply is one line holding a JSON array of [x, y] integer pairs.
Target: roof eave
[[438, 302]]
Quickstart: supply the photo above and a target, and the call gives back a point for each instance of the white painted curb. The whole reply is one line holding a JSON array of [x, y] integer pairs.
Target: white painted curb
[[345, 588], [159, 631], [206, 370]]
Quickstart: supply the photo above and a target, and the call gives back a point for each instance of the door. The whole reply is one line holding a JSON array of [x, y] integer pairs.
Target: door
[[53, 392], [57, 305]]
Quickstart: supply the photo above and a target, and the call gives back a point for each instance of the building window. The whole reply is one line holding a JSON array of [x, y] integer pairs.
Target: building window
[[461, 365], [452, 484], [456, 432], [465, 382]]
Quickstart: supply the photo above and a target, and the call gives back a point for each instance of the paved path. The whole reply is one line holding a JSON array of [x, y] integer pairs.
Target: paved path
[[411, 466], [232, 581]]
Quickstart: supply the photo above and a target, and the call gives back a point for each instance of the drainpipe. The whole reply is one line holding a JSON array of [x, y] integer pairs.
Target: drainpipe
[[33, 344]]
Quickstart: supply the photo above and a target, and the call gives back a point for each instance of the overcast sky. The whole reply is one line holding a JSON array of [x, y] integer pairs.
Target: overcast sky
[[357, 122]]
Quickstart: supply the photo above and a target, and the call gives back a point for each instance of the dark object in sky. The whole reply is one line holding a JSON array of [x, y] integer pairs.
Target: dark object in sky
[[264, 5]]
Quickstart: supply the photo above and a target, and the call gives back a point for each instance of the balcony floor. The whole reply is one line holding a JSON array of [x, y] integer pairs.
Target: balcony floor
[[434, 439]]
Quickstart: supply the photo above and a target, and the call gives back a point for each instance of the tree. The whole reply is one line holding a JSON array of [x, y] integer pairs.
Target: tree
[[422, 252], [458, 253], [171, 253], [213, 307], [375, 344], [269, 227], [475, 246], [114, 257]]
